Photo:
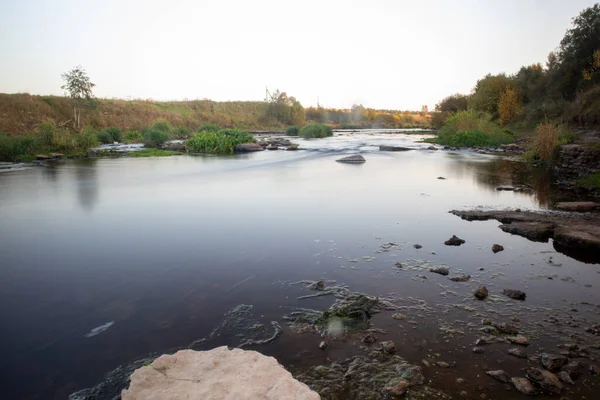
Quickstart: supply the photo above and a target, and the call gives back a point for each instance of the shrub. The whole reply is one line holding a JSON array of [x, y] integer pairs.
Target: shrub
[[155, 137], [546, 140], [132, 137], [162, 125], [86, 140], [209, 127], [315, 131], [110, 135], [12, 147], [292, 131], [45, 133], [221, 142], [180, 132], [472, 129]]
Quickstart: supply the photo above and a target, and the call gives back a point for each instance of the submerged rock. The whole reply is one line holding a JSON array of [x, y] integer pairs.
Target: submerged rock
[[546, 379], [248, 147], [393, 148], [481, 293], [497, 248], [478, 350], [524, 386], [355, 159], [241, 374], [417, 246], [514, 294], [499, 375], [506, 328], [440, 270], [454, 241], [460, 278]]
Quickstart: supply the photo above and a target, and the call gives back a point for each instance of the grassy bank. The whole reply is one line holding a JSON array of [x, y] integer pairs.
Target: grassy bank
[[471, 129], [154, 153], [591, 182]]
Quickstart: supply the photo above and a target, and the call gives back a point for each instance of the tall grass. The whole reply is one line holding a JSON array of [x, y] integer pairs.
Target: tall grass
[[315, 131], [547, 138], [221, 142], [472, 129]]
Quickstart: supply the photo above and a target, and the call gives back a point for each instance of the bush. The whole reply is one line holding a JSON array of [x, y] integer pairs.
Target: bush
[[180, 133], [221, 142], [315, 131], [86, 140], [45, 133], [155, 137], [209, 127], [110, 135], [292, 131], [472, 129], [12, 147], [132, 137], [162, 125]]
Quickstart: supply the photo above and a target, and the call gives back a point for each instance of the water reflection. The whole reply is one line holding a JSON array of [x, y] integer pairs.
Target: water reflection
[[87, 184]]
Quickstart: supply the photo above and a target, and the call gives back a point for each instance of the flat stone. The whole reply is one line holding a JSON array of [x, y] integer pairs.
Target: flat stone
[[514, 294], [578, 206], [417, 246], [355, 159], [524, 386], [535, 231], [498, 375], [393, 148], [519, 339], [248, 147], [219, 373], [454, 241], [517, 352], [582, 237], [546, 379]]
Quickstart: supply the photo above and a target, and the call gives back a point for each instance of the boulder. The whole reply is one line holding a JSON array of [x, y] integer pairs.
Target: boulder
[[481, 293], [218, 373], [393, 148], [581, 206], [355, 159], [454, 241], [546, 379], [514, 294], [248, 147]]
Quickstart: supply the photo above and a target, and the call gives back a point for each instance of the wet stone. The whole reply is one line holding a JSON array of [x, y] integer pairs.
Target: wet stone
[[478, 350], [399, 316], [553, 362], [460, 278], [517, 352], [355, 159], [497, 248], [440, 270], [519, 339], [399, 389], [506, 328], [499, 375], [546, 379], [444, 364], [388, 347], [417, 246], [524, 386], [481, 293], [323, 345], [595, 370], [514, 294], [454, 241], [369, 339], [565, 377]]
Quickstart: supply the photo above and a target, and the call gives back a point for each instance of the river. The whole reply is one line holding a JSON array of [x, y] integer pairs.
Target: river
[[108, 260]]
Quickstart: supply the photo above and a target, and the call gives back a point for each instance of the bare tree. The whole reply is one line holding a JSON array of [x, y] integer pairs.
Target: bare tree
[[79, 88]]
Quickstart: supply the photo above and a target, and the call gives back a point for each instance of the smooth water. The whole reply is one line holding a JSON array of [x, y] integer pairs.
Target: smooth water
[[104, 261]]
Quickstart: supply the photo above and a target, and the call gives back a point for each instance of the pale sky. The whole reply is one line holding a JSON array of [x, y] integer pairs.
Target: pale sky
[[380, 53]]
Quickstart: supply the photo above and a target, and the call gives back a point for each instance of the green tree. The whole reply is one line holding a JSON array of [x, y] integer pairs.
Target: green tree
[[487, 92], [297, 113], [453, 103], [509, 106], [79, 88]]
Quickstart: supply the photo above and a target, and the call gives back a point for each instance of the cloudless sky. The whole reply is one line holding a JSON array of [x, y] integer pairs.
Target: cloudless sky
[[380, 53]]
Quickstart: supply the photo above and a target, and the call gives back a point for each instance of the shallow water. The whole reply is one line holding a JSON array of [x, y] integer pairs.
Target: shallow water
[[163, 247]]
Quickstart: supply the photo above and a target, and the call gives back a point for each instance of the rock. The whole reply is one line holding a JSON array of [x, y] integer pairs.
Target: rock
[[463, 393], [393, 148], [441, 178], [398, 265], [507, 328], [499, 375], [497, 248], [595, 370], [323, 345], [399, 389], [553, 362], [565, 377], [581, 206], [273, 147], [57, 155], [399, 316], [478, 350], [42, 157], [369, 339], [440, 270], [460, 278], [546, 379], [486, 321], [411, 373], [524, 386], [426, 363], [454, 241], [515, 351], [460, 381], [535, 231], [490, 330], [519, 339], [584, 237], [481, 293], [293, 146], [388, 347], [568, 346], [443, 364], [241, 374], [248, 147], [485, 340], [356, 159], [432, 148], [514, 294], [417, 246]]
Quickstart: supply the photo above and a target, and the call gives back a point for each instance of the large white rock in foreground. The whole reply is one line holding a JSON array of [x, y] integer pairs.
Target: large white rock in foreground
[[216, 374]]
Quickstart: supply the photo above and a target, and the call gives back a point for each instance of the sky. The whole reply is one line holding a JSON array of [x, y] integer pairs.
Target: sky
[[380, 53]]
